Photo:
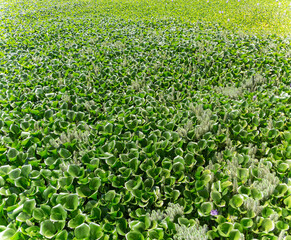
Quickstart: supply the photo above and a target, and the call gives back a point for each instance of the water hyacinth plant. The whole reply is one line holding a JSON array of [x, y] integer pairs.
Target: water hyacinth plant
[[145, 119]]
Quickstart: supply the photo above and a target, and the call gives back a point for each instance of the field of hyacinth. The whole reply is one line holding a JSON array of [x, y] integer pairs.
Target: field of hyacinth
[[145, 119]]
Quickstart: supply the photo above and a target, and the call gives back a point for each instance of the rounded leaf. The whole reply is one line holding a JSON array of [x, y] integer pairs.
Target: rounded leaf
[[74, 170], [216, 196], [12, 154], [48, 114], [14, 174], [95, 231], [236, 201], [282, 226], [267, 225], [235, 235], [206, 208], [64, 153], [14, 128], [121, 226], [246, 222], [63, 235], [72, 202], [48, 229], [134, 235], [224, 229], [82, 231], [77, 221], [58, 213], [7, 234], [29, 205], [38, 214]]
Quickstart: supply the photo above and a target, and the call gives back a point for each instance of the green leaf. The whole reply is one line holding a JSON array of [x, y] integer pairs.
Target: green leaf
[[224, 229], [23, 217], [287, 136], [267, 225], [183, 221], [14, 129], [280, 225], [64, 153], [190, 160], [74, 170], [29, 205], [77, 220], [95, 231], [109, 196], [2, 181], [58, 213], [205, 208], [235, 235], [280, 189], [24, 125], [156, 233], [108, 128], [236, 201], [48, 229], [121, 226], [134, 235], [283, 167], [273, 133], [237, 128], [95, 183], [137, 226], [63, 235], [12, 154], [82, 231], [7, 234], [38, 214], [258, 195], [22, 183], [246, 222], [244, 190], [71, 115], [267, 211], [202, 144], [49, 191], [49, 114], [243, 174], [14, 174], [178, 167], [72, 202], [216, 196], [25, 170], [287, 202]]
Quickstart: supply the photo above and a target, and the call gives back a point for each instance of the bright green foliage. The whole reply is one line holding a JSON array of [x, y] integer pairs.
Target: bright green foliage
[[82, 231], [132, 120], [48, 229]]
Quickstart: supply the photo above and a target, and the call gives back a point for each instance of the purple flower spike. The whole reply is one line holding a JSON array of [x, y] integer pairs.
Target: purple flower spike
[[254, 97], [214, 212]]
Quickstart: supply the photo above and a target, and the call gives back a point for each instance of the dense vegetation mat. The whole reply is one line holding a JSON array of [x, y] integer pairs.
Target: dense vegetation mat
[[149, 129]]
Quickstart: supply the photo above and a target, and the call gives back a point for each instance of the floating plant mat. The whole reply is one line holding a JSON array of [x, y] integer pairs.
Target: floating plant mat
[[132, 129]]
